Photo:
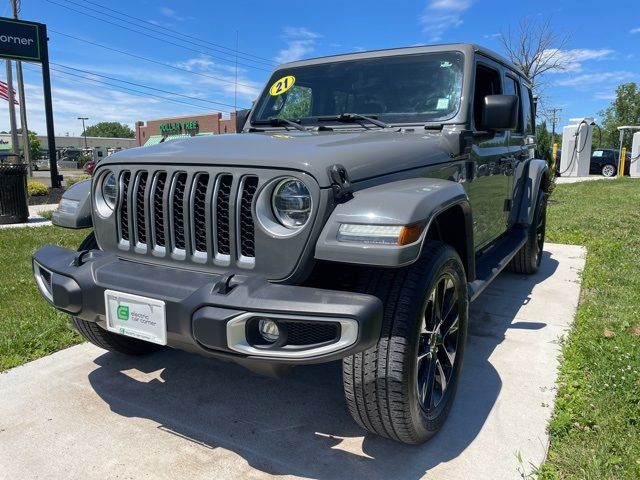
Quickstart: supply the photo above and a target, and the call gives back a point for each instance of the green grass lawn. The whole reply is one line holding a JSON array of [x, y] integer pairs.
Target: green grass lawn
[[29, 327], [595, 431]]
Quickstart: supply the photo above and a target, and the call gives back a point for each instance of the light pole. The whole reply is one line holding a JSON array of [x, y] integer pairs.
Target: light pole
[[84, 131]]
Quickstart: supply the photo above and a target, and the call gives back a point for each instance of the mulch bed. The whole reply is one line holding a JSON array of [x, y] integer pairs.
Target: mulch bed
[[54, 196]]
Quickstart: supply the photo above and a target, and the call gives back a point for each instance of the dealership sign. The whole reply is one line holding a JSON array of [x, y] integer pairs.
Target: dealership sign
[[20, 40]]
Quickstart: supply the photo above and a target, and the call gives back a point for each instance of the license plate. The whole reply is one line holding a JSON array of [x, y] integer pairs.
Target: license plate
[[135, 316]]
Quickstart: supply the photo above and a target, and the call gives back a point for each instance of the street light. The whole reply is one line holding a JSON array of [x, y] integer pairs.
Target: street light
[[84, 131]]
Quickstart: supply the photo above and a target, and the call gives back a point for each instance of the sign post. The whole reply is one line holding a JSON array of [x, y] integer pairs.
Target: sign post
[[27, 41]]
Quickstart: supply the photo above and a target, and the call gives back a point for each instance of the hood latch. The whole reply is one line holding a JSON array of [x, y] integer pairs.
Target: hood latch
[[340, 183]]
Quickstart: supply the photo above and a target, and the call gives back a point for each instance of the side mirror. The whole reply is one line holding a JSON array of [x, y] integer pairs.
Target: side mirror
[[500, 112], [241, 118]]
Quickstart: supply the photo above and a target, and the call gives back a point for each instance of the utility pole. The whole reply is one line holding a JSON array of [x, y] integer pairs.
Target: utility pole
[[84, 131], [15, 4], [555, 118]]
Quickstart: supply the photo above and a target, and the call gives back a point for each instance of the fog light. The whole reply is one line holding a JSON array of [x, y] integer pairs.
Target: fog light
[[268, 330]]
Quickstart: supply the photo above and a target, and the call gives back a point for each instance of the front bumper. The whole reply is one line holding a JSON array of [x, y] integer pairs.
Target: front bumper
[[208, 313]]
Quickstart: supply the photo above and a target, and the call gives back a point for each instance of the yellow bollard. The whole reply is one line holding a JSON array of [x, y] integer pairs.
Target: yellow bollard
[[554, 157], [623, 157]]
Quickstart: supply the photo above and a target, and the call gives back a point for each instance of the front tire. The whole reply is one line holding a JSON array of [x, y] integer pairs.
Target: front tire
[[105, 339], [404, 386]]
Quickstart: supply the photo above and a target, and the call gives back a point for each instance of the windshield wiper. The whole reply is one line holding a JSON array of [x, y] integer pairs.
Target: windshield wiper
[[350, 117], [275, 122]]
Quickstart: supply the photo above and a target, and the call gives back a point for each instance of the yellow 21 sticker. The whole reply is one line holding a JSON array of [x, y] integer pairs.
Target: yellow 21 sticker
[[282, 85]]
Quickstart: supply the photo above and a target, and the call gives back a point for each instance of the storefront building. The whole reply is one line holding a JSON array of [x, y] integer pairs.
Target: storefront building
[[161, 130]]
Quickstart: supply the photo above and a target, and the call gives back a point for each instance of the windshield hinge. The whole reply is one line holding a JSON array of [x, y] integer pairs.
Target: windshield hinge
[[340, 183]]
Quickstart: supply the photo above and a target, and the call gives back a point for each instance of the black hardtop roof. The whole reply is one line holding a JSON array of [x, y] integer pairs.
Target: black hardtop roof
[[468, 48]]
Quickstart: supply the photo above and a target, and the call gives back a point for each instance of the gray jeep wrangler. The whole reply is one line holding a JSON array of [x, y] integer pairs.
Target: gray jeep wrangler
[[367, 199]]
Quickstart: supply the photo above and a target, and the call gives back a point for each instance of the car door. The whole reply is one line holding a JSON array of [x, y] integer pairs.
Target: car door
[[489, 185]]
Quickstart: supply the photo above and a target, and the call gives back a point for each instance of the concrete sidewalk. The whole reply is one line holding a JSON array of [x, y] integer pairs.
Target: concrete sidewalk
[[86, 414]]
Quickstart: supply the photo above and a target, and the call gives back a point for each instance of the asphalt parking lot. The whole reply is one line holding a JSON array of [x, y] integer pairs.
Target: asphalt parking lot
[[84, 413]]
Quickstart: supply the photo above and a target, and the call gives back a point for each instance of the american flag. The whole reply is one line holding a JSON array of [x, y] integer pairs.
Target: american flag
[[4, 92]]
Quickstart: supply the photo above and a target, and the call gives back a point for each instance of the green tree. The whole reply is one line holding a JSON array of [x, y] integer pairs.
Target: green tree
[[109, 129], [624, 110], [35, 147], [543, 145]]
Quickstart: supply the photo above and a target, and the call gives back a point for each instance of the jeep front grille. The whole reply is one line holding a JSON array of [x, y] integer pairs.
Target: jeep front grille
[[201, 216]]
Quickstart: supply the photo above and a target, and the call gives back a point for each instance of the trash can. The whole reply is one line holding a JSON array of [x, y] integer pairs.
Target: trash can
[[13, 194]]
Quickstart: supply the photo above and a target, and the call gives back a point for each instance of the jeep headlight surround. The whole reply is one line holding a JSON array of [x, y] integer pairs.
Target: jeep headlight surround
[[284, 206], [106, 194]]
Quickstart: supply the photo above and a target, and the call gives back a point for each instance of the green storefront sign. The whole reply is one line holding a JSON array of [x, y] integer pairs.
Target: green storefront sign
[[174, 128]]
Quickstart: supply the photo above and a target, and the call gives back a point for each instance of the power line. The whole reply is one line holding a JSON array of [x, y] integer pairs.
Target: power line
[[76, 78], [165, 29], [164, 40], [142, 86], [140, 57]]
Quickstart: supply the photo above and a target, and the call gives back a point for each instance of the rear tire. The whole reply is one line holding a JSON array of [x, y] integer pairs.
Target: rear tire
[[528, 258], [404, 386], [609, 170], [102, 338]]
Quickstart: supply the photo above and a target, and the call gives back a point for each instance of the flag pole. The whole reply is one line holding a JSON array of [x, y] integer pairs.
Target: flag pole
[[23, 103], [12, 111]]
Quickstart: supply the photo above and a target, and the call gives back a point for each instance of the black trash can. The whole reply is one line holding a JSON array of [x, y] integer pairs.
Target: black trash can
[[13, 194]]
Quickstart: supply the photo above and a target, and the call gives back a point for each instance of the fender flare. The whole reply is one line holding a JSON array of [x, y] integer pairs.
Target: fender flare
[[535, 177], [404, 202], [75, 207]]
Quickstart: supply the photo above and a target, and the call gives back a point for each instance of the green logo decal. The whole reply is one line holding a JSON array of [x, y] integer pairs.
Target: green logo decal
[[123, 312]]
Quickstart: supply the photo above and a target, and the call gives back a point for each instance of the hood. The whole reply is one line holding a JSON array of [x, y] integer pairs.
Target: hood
[[364, 154]]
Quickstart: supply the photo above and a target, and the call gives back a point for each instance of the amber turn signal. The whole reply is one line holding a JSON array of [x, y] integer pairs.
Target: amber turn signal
[[410, 234]]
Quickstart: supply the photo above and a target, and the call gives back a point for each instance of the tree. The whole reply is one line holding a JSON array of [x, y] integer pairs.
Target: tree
[[536, 48], [35, 147], [543, 145], [109, 129], [624, 110]]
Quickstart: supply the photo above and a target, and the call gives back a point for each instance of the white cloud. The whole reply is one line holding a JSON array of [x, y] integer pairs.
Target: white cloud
[[574, 58], [300, 43], [634, 30], [586, 80], [442, 15], [172, 14], [492, 35]]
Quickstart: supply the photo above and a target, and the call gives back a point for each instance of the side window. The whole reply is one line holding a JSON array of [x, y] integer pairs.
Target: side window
[[487, 83], [528, 112], [512, 87]]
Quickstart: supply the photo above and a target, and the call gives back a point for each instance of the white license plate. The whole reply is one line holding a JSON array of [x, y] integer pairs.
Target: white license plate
[[135, 316]]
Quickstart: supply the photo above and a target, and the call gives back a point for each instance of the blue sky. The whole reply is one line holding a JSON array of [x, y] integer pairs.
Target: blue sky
[[603, 50]]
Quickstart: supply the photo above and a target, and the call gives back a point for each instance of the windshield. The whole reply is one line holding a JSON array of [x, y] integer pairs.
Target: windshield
[[400, 89]]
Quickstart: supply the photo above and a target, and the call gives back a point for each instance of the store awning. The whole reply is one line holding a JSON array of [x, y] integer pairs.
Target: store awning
[[153, 140], [176, 137]]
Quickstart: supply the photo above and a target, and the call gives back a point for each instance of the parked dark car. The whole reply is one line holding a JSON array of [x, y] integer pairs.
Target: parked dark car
[[604, 161], [366, 201]]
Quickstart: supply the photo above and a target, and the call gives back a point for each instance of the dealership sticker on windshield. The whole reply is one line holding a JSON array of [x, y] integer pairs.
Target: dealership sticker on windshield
[[282, 85]]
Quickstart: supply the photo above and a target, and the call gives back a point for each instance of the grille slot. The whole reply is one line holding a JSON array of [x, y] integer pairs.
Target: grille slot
[[140, 219], [158, 208], [177, 210], [300, 333], [223, 222], [199, 208], [124, 206], [247, 233]]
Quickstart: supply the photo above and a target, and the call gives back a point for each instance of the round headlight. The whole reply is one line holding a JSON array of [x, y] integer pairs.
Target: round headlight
[[106, 194], [291, 203], [110, 190]]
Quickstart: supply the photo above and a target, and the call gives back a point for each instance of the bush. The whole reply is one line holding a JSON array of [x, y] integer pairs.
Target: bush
[[83, 159], [73, 180], [37, 189]]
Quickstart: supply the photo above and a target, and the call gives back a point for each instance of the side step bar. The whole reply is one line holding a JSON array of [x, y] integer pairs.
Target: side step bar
[[494, 260]]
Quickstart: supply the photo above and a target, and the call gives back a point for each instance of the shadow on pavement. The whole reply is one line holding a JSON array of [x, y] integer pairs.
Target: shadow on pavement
[[300, 425]]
